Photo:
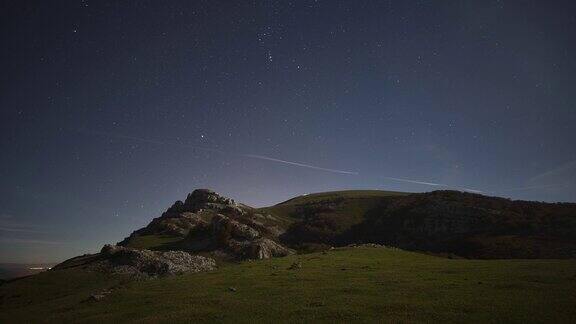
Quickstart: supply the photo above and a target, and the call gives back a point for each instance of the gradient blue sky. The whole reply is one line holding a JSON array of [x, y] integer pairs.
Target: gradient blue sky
[[112, 110]]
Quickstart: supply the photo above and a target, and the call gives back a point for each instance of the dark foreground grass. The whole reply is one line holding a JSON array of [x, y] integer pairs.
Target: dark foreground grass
[[353, 284]]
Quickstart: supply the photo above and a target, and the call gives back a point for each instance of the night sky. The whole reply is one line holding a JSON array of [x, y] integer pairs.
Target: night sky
[[112, 110]]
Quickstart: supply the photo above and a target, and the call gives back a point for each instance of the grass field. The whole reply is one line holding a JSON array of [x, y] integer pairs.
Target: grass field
[[356, 202], [349, 194], [349, 284]]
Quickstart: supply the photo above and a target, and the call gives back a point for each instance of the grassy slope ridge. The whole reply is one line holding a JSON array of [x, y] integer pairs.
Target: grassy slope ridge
[[452, 222], [356, 202], [360, 284], [350, 194], [444, 222]]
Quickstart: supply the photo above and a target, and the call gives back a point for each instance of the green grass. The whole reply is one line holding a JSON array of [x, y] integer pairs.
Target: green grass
[[153, 242], [356, 202], [352, 284], [350, 194]]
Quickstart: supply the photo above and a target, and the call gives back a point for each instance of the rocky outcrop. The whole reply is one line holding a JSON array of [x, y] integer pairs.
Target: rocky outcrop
[[178, 225], [207, 199], [122, 260], [238, 239], [182, 217], [266, 248], [211, 223], [258, 249]]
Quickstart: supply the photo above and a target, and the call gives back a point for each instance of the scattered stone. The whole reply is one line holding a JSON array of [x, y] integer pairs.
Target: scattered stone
[[295, 266], [118, 259], [369, 245], [232, 289], [99, 296]]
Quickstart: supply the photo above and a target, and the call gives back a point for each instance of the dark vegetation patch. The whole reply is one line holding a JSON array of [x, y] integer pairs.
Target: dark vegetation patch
[[442, 222]]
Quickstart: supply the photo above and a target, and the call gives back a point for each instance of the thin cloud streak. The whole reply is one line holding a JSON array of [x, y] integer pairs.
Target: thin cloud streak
[[18, 230], [433, 184], [27, 241], [559, 171], [250, 156], [533, 187]]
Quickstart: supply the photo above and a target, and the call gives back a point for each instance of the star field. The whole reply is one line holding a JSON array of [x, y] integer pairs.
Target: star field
[[111, 110]]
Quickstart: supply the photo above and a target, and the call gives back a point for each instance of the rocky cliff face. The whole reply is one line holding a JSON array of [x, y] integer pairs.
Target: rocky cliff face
[[210, 223]]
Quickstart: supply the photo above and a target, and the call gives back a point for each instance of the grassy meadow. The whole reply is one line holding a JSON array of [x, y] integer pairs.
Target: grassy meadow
[[348, 284]]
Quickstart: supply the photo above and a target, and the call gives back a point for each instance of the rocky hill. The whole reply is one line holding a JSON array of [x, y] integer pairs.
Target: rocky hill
[[189, 237], [217, 226], [207, 228], [443, 222]]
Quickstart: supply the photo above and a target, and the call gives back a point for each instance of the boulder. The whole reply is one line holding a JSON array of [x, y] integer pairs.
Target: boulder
[[262, 248], [266, 248]]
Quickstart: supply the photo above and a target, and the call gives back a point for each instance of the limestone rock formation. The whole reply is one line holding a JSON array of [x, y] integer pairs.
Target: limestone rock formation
[[210, 223], [181, 217], [237, 239]]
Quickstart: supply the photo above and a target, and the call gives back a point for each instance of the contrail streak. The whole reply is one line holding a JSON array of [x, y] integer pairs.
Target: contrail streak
[[415, 181], [266, 158], [250, 156], [433, 184], [472, 190]]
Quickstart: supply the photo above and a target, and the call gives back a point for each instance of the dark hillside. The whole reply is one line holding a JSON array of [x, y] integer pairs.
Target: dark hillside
[[464, 224]]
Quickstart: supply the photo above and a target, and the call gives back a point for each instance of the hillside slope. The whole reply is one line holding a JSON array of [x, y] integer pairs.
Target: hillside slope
[[442, 222], [447, 222], [350, 284]]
